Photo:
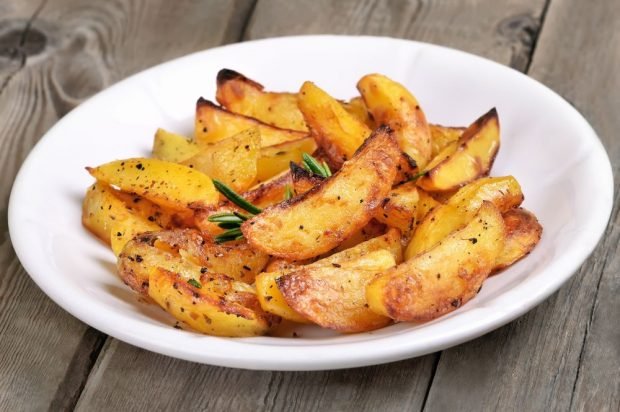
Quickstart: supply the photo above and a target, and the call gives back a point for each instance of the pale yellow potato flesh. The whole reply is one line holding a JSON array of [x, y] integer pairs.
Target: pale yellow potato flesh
[[277, 158], [172, 147], [121, 232], [317, 221], [444, 278], [168, 184]]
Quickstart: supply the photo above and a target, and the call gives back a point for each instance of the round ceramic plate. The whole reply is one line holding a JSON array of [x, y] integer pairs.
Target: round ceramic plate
[[546, 144]]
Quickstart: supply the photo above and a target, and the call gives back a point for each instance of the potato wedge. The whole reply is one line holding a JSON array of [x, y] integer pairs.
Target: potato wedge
[[336, 131], [371, 230], [504, 192], [272, 300], [303, 180], [334, 297], [472, 157], [232, 160], [217, 307], [444, 278], [172, 147], [269, 192], [523, 232], [244, 96], [123, 231], [102, 208], [320, 219], [441, 136], [214, 123], [171, 185], [276, 159], [392, 104], [164, 217], [162, 249], [357, 108], [399, 208]]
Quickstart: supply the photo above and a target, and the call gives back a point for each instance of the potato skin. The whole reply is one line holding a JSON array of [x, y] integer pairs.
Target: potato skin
[[320, 219], [523, 232], [303, 180], [444, 278]]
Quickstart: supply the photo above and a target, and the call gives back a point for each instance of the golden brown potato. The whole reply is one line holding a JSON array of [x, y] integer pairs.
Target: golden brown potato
[[276, 159], [214, 304], [320, 219], [504, 192], [233, 160], [270, 192], [214, 123], [272, 300], [171, 185], [164, 217], [371, 230], [444, 278], [334, 297], [441, 136], [336, 131], [357, 108], [392, 104], [399, 209], [121, 232], [241, 95], [172, 147], [303, 180], [234, 259], [523, 233], [467, 159]]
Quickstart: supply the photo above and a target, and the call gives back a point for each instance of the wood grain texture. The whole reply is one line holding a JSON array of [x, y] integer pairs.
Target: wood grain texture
[[128, 376], [52, 56], [565, 354], [502, 31]]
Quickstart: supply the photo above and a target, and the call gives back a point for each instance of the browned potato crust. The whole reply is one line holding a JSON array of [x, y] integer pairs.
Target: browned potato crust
[[444, 278], [523, 232], [320, 219], [303, 180]]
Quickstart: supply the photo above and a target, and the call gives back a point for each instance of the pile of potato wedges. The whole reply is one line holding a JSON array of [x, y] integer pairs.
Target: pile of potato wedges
[[399, 222]]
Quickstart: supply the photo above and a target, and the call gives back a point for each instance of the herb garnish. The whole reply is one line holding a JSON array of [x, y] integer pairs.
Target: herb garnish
[[288, 192], [194, 283], [417, 176], [231, 221], [312, 165]]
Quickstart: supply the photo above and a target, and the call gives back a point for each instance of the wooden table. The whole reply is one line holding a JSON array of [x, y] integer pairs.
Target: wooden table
[[565, 354]]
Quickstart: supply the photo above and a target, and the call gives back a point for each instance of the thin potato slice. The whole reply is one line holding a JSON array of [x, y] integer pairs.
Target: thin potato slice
[[446, 277], [219, 310], [171, 185], [232, 160], [276, 159], [244, 96], [469, 158], [334, 297], [173, 147], [523, 233], [320, 219], [392, 104], [504, 192], [336, 131], [214, 123]]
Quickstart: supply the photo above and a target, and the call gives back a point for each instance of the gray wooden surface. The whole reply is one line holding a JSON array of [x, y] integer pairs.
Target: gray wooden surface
[[563, 355]]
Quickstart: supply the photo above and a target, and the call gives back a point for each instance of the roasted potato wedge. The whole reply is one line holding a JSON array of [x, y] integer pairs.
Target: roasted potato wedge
[[164, 217], [276, 159], [371, 230], [168, 184], [503, 192], [235, 259], [320, 219], [334, 297], [467, 159], [399, 208], [241, 95], [523, 232], [233, 160], [303, 180], [441, 136], [102, 208], [214, 123], [172, 147], [392, 104], [336, 131], [220, 306], [121, 232], [444, 278], [357, 108]]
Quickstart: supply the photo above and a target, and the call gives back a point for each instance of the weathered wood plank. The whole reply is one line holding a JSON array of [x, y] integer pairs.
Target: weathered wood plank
[[50, 60], [565, 353], [135, 379], [502, 31]]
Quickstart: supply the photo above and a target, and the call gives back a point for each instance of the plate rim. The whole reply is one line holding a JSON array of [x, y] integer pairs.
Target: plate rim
[[354, 358]]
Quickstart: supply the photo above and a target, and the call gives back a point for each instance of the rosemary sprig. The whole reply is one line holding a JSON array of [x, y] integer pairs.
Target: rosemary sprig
[[314, 166], [231, 234], [417, 176], [236, 198], [288, 192]]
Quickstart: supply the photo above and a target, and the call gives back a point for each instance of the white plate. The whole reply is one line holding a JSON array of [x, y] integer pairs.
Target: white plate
[[546, 144]]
